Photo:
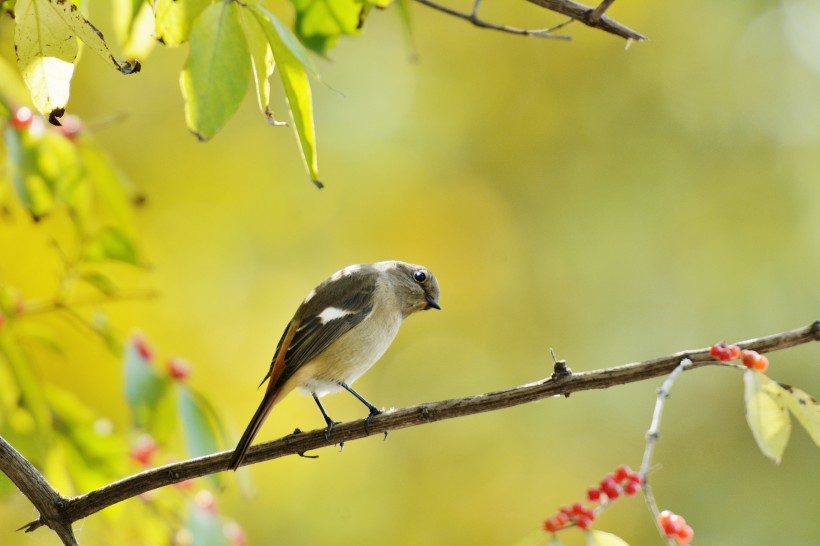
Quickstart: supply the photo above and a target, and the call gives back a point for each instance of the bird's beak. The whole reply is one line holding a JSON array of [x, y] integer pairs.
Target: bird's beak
[[431, 302]]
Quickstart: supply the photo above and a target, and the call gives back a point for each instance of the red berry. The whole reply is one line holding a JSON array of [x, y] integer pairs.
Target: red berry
[[578, 509], [235, 534], [562, 519], [631, 488], [685, 535], [761, 364], [70, 126], [551, 525], [179, 368], [593, 494], [671, 523], [22, 118], [206, 501], [583, 522], [144, 451], [622, 472], [185, 485], [144, 350], [749, 358], [566, 510], [734, 352], [635, 477]]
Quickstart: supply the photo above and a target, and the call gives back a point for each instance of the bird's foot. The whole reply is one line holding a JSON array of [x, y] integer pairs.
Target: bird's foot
[[373, 412]]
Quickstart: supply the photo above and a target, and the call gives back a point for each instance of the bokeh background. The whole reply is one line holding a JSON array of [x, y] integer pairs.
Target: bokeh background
[[613, 204]]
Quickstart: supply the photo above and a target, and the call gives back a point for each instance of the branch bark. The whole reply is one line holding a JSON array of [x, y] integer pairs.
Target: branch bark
[[59, 513], [590, 17], [36, 488]]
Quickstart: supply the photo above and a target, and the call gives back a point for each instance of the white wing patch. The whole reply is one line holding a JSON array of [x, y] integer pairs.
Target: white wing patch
[[332, 313]]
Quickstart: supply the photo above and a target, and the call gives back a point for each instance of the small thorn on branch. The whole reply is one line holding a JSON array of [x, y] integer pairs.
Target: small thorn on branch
[[560, 369]]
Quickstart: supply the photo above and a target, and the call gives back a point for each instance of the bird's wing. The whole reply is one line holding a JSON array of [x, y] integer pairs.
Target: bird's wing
[[336, 308]]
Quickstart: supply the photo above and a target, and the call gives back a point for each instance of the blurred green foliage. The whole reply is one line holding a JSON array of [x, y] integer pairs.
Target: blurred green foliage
[[615, 205]]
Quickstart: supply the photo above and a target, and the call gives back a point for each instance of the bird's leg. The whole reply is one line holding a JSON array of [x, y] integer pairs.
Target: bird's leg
[[330, 422], [373, 409]]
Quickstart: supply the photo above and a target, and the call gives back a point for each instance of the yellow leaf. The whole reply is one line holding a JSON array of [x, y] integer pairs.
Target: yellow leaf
[[766, 414], [46, 51], [805, 409]]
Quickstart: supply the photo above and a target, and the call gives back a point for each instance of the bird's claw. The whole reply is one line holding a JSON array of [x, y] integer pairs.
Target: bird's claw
[[329, 429], [373, 412]]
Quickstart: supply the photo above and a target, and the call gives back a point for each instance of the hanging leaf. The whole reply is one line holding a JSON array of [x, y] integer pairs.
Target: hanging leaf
[[601, 538], [45, 39], [319, 23], [766, 414], [215, 77], [134, 25], [205, 526], [262, 61], [144, 387], [46, 51], [292, 72], [111, 243], [200, 428], [174, 19], [32, 189], [804, 408]]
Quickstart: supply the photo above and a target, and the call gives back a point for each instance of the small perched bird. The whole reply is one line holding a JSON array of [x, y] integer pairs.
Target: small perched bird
[[338, 332]]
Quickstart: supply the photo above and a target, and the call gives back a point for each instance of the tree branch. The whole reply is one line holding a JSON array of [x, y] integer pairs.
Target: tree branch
[[576, 12], [563, 382], [474, 19], [34, 486], [590, 17]]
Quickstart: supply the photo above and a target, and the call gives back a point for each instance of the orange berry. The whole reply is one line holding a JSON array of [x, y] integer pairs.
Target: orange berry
[[761, 364], [749, 358]]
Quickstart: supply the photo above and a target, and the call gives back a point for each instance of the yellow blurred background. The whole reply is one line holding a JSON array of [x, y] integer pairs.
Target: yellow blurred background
[[613, 204]]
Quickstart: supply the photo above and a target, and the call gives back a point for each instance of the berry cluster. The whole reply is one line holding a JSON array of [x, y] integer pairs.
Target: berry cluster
[[675, 526], [751, 359], [623, 481]]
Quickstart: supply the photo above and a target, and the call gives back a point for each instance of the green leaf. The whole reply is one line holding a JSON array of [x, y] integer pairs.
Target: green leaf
[[99, 281], [45, 39], [766, 414], [13, 91], [134, 25], [205, 527], [262, 61], [144, 388], [92, 458], [30, 386], [111, 201], [46, 51], [32, 189], [319, 23], [174, 19], [295, 81], [111, 243], [601, 538], [805, 409], [200, 428], [215, 77]]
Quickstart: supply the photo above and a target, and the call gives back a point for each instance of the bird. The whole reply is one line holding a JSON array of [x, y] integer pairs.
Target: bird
[[339, 331]]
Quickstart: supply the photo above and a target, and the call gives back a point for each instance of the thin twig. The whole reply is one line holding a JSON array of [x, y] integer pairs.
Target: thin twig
[[59, 304], [584, 14], [598, 12], [81, 506], [652, 436], [473, 18]]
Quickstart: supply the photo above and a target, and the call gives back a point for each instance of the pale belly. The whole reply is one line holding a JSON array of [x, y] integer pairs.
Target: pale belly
[[348, 358]]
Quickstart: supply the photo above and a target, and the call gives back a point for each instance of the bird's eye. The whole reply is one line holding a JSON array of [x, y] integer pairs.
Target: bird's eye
[[419, 276]]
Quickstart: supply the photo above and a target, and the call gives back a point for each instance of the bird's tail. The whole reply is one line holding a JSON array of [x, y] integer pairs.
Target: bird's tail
[[259, 417]]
